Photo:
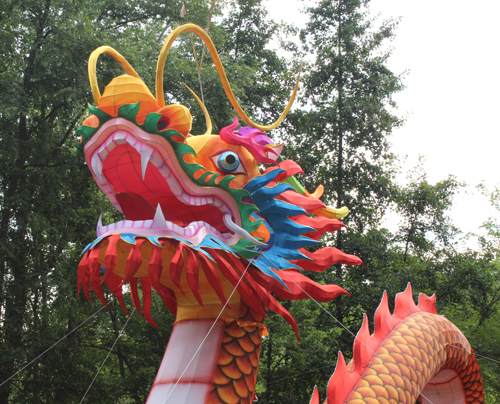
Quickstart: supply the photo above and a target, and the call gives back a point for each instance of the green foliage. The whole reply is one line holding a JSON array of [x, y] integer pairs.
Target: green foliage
[[423, 210]]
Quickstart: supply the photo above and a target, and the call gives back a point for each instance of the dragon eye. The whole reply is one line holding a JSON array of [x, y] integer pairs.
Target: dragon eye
[[229, 162]]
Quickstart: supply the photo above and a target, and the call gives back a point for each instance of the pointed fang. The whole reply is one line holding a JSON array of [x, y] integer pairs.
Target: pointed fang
[[159, 219], [146, 154], [97, 167]]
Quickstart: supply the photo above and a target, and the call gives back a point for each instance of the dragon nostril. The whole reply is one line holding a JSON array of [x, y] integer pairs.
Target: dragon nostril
[[161, 125]]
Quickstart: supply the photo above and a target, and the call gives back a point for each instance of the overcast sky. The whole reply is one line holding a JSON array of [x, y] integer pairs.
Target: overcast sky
[[449, 49]]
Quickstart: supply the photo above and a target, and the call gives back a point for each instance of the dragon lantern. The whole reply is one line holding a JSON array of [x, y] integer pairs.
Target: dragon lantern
[[217, 238]]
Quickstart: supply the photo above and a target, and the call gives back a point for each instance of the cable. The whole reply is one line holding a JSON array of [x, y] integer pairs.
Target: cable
[[298, 374], [208, 333], [475, 353], [47, 350], [106, 358]]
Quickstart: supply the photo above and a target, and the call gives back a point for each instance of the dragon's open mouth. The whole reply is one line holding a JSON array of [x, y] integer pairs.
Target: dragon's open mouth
[[143, 184]]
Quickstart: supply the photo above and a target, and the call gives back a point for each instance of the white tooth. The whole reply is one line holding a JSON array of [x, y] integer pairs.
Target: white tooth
[[97, 167], [119, 135], [224, 209], [175, 187], [159, 219], [183, 197], [228, 221], [164, 171], [217, 203], [99, 227], [157, 160], [146, 153]]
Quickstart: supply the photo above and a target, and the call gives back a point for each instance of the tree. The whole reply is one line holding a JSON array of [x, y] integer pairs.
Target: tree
[[340, 139], [423, 207]]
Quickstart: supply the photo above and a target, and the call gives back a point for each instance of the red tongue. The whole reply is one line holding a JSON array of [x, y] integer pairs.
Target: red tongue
[[135, 207]]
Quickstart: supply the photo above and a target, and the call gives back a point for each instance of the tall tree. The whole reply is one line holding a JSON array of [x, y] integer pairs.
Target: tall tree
[[340, 139]]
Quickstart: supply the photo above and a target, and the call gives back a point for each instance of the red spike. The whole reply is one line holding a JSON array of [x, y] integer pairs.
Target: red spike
[[155, 266], [135, 295], [341, 383], [299, 286], [272, 304], [110, 256], [83, 277], [320, 223], [134, 261], [155, 269], [176, 266], [146, 300], [384, 322], [362, 348], [233, 277], [427, 303], [308, 204], [212, 277], [114, 285], [324, 258], [95, 274], [290, 167], [192, 275], [315, 396], [168, 297], [405, 305]]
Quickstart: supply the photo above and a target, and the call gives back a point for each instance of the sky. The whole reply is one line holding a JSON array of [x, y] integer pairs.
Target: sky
[[449, 50]]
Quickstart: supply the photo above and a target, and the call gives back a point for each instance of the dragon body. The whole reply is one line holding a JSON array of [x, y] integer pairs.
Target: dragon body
[[219, 239]]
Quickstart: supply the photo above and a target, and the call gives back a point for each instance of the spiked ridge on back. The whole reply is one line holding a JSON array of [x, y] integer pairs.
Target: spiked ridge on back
[[346, 376]]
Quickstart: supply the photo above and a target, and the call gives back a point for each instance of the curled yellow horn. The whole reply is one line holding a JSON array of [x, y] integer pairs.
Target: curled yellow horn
[[222, 74], [93, 64], [205, 112]]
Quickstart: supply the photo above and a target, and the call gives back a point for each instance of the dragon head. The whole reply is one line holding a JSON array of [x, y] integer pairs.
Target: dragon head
[[201, 217]]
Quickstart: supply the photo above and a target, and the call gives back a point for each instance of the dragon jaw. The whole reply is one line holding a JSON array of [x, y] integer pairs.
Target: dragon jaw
[[163, 201]]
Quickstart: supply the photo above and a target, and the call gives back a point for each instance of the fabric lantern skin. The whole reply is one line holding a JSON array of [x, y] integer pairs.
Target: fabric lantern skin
[[219, 239]]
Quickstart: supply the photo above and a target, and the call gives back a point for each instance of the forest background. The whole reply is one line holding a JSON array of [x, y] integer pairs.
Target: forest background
[[339, 133]]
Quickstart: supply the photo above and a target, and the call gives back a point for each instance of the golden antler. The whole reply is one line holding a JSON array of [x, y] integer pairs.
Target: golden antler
[[204, 109], [225, 83], [92, 68]]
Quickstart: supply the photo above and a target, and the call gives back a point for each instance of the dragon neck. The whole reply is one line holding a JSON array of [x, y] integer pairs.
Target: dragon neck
[[210, 359]]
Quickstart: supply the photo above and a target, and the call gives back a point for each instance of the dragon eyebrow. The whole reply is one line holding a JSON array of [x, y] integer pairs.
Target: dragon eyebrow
[[253, 140]]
